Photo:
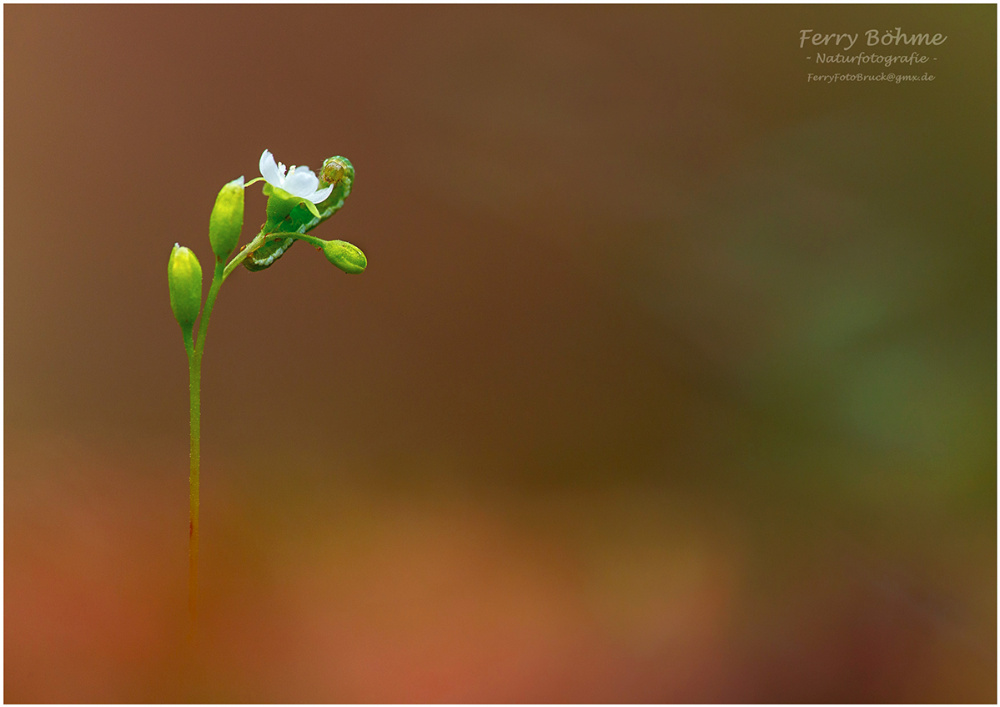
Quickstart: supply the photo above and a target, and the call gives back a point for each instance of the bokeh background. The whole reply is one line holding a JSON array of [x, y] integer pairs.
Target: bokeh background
[[672, 376]]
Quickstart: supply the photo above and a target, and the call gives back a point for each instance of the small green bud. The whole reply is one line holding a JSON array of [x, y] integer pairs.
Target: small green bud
[[345, 256], [226, 222], [184, 280]]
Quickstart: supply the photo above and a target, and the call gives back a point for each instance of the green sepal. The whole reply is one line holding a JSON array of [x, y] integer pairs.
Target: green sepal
[[312, 208], [280, 204]]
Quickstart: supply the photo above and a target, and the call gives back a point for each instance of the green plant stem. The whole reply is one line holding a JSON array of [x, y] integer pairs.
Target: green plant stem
[[196, 350], [253, 245], [194, 371]]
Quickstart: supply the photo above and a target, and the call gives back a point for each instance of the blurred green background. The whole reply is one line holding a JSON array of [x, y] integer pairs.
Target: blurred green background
[[672, 376]]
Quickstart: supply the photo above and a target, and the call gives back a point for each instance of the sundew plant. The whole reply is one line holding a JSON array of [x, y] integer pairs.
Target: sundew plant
[[298, 201]]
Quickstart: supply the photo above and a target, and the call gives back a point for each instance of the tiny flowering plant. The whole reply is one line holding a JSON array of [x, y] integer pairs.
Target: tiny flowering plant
[[321, 197]]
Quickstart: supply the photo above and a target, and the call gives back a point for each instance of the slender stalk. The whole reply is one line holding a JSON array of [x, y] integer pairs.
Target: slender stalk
[[195, 353], [194, 369], [253, 245], [195, 350]]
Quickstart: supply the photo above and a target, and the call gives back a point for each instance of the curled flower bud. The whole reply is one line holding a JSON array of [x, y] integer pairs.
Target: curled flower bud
[[226, 222], [345, 256], [184, 280]]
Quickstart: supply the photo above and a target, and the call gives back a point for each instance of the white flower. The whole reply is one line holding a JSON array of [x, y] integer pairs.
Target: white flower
[[300, 181]]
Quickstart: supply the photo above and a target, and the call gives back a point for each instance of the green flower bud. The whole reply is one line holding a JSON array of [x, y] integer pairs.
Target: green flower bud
[[345, 256], [226, 222], [184, 280]]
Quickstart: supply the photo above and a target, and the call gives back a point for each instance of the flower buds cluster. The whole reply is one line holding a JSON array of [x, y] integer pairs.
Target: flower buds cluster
[[287, 189]]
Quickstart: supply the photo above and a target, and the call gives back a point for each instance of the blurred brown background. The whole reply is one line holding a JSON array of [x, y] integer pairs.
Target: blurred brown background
[[671, 378]]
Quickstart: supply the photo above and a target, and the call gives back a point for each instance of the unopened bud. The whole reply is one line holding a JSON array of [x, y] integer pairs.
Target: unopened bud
[[345, 256], [184, 280], [226, 222]]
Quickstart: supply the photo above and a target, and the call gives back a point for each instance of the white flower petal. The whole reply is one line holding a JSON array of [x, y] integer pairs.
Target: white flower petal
[[301, 182], [269, 170], [321, 195]]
